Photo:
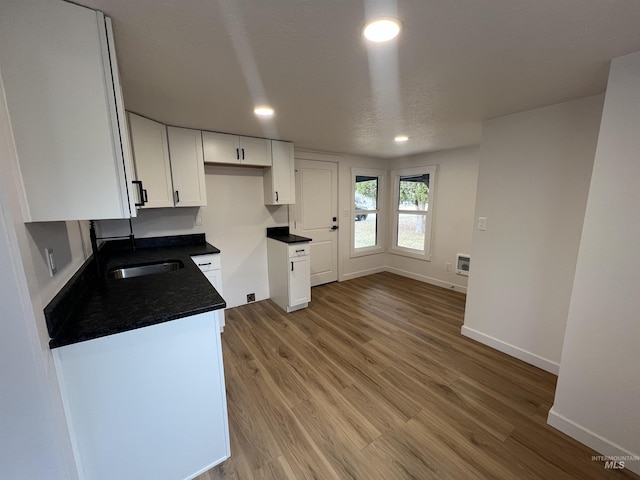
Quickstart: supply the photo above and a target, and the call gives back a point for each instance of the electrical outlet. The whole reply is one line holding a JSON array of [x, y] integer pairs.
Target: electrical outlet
[[51, 261], [447, 267], [482, 223], [251, 297], [199, 221]]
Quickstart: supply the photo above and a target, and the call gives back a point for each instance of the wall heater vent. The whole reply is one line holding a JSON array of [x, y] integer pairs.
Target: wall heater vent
[[462, 264]]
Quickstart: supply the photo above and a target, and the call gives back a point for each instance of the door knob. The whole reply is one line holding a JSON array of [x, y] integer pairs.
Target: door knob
[[335, 227]]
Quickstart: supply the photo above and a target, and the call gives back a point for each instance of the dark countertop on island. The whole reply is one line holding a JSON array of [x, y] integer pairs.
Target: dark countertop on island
[[282, 234], [89, 307]]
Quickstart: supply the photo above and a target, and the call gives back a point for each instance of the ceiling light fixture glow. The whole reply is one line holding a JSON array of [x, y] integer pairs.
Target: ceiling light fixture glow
[[382, 30], [263, 111], [401, 138]]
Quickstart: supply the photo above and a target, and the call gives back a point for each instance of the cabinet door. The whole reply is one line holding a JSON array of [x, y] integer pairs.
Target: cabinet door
[[299, 281], [187, 167], [58, 81], [151, 160], [279, 180], [221, 148], [255, 151]]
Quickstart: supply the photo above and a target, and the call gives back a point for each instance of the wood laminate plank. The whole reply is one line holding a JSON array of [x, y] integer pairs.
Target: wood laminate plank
[[375, 381]]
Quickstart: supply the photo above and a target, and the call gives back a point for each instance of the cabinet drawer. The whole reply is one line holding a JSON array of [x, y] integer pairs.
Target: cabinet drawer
[[207, 262], [298, 250]]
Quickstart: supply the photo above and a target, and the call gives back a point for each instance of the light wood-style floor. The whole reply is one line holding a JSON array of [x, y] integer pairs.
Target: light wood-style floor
[[374, 381]]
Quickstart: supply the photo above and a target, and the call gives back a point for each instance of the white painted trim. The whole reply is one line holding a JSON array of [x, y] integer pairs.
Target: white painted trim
[[517, 352], [361, 273], [591, 439], [425, 279]]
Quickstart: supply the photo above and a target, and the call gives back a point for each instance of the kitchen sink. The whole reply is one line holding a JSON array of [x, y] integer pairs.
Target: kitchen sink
[[147, 269]]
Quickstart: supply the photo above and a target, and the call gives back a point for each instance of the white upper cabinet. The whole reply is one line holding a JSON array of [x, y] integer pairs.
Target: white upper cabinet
[[62, 87], [279, 180], [236, 150], [152, 164], [187, 167]]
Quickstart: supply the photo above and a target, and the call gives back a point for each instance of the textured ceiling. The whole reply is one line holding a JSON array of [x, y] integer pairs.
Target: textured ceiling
[[206, 63]]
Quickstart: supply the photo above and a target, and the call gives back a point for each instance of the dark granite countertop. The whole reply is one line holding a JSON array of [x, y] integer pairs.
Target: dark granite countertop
[[282, 235], [89, 307]]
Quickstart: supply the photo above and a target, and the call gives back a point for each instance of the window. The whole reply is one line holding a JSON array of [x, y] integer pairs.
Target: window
[[413, 205], [367, 231]]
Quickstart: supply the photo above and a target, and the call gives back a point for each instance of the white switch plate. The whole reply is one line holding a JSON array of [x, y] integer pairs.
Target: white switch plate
[[482, 223], [51, 261], [199, 221], [345, 213]]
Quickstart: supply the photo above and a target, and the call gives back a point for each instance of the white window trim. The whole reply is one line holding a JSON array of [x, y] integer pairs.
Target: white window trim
[[380, 246], [394, 211]]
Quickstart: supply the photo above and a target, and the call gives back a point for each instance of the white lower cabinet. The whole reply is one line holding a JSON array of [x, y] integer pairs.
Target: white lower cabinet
[[147, 403], [289, 274], [211, 267]]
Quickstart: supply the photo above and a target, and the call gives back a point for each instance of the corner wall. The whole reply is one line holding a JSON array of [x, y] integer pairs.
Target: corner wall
[[452, 229], [598, 391], [533, 183]]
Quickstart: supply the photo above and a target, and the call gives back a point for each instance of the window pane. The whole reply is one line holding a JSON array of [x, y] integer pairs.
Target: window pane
[[366, 195], [411, 230], [366, 230], [414, 193]]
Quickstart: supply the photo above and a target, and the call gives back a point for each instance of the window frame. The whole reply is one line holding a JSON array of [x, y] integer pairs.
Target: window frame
[[394, 207], [380, 246]]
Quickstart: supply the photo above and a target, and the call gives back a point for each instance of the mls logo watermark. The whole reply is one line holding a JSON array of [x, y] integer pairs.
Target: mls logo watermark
[[615, 462]]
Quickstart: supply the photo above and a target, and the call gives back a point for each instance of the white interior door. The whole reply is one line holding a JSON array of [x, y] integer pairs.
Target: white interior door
[[315, 215]]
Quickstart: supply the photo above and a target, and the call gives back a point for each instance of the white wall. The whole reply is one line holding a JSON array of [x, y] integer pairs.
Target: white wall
[[236, 221], [533, 182], [598, 391], [357, 266], [452, 226], [34, 441]]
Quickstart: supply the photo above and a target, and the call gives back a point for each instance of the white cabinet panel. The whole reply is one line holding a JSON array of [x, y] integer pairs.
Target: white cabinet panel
[[187, 167], [147, 403], [255, 151], [279, 180], [221, 148], [236, 150], [299, 281], [152, 165], [60, 78]]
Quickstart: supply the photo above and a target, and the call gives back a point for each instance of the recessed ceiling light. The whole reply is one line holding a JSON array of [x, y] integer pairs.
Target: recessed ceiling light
[[401, 138], [382, 29], [263, 111]]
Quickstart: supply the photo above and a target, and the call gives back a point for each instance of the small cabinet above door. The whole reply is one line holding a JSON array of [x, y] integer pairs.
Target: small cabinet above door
[[236, 150]]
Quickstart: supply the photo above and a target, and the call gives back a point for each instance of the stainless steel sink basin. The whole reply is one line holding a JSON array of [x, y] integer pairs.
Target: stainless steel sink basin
[[148, 269]]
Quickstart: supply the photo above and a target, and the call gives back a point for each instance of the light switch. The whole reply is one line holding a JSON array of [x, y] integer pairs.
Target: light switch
[[482, 223], [345, 213]]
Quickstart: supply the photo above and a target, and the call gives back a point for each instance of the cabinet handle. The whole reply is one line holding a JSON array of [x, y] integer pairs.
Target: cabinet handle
[[292, 266], [140, 193], [204, 264], [144, 194], [237, 154], [243, 153], [177, 196], [276, 196]]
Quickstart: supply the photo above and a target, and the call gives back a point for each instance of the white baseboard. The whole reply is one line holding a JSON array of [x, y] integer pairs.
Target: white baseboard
[[362, 273], [517, 352], [592, 440], [425, 279]]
